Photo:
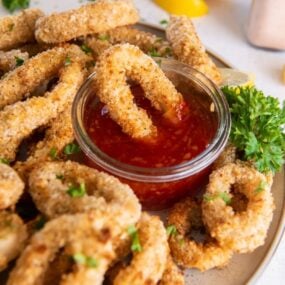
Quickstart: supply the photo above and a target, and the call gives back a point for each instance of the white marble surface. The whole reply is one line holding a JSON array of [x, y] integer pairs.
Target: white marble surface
[[223, 31]]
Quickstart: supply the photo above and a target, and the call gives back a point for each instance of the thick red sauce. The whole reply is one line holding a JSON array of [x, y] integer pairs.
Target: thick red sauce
[[175, 144]]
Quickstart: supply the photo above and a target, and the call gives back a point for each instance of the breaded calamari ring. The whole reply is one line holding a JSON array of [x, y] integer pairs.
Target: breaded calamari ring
[[19, 83], [147, 42], [126, 61], [186, 216], [9, 60], [87, 238], [18, 29], [188, 48], [18, 121], [13, 233], [172, 274], [101, 191], [11, 186], [243, 231], [57, 136], [148, 265], [92, 18]]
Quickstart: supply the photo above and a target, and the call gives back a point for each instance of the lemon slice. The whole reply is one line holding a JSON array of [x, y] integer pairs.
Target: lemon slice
[[191, 8], [233, 77]]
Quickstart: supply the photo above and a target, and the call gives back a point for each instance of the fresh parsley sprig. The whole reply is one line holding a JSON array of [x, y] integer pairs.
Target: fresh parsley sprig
[[12, 5], [257, 127], [136, 245]]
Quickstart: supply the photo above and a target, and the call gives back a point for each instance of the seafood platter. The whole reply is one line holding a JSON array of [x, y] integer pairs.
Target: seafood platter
[[130, 154]]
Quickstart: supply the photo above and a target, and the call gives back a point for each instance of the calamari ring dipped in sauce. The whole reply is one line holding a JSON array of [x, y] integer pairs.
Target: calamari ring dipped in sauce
[[125, 61]]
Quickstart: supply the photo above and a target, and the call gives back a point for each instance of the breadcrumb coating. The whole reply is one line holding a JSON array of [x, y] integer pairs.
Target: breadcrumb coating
[[19, 120], [186, 251], [243, 231], [188, 48], [11, 186], [102, 191], [91, 18], [148, 265], [18, 29], [147, 42], [57, 136], [125, 61], [9, 59]]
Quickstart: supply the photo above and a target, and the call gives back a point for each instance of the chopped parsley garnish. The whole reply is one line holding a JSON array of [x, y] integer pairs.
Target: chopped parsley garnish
[[67, 61], [77, 191], [82, 259], [261, 187], [171, 230], [86, 49], [59, 176], [136, 245], [153, 52], [19, 61], [257, 127], [167, 51], [40, 223], [53, 153], [71, 148], [222, 195], [163, 22], [103, 37], [4, 161], [13, 5]]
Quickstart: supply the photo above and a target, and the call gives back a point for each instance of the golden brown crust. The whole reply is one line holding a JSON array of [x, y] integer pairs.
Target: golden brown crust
[[126, 61], [103, 191], [18, 29], [243, 231], [148, 265], [188, 48], [92, 18], [8, 60], [19, 120], [187, 252]]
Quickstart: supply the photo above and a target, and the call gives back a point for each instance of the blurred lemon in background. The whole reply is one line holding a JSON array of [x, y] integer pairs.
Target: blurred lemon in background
[[191, 8]]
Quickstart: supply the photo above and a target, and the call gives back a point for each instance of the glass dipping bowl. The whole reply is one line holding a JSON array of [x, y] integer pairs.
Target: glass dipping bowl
[[158, 188]]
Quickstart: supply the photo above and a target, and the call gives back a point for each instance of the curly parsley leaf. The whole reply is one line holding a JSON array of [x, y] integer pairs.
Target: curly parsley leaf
[[136, 245], [171, 230], [77, 191], [222, 195], [82, 259], [19, 61], [257, 127], [12, 5], [71, 148], [4, 160]]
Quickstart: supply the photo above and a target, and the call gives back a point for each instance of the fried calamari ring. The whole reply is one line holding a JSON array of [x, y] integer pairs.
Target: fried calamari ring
[[243, 231], [86, 238], [13, 232], [13, 235], [59, 134], [88, 19], [126, 61], [188, 48], [186, 216], [11, 186], [147, 42], [11, 59], [19, 83], [54, 196], [147, 265], [18, 121], [172, 274], [18, 29]]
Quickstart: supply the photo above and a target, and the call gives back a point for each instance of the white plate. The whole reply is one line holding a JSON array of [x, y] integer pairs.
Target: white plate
[[244, 268]]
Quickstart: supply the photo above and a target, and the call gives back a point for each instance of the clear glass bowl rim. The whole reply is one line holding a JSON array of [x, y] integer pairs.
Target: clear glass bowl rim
[[163, 174]]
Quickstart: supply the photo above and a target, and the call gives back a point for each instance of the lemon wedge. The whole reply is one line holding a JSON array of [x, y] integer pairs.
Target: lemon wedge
[[191, 8], [233, 77]]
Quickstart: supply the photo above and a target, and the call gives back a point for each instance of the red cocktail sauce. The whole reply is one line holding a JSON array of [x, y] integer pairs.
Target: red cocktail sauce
[[175, 144]]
